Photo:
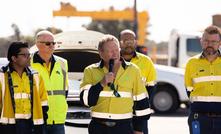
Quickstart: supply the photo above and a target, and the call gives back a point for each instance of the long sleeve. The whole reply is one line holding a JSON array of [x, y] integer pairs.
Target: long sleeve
[[141, 105]]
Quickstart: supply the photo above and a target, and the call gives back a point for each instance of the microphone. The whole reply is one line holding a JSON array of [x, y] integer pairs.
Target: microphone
[[111, 64]]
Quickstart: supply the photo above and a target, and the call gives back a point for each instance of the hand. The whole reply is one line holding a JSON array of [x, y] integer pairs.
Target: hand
[[137, 132], [108, 78]]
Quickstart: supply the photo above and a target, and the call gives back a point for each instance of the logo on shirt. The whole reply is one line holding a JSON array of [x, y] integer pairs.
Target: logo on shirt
[[99, 78], [57, 72], [125, 77], [142, 67]]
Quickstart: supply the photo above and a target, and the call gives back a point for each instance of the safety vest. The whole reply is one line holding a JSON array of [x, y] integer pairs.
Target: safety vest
[[6, 101], [55, 87]]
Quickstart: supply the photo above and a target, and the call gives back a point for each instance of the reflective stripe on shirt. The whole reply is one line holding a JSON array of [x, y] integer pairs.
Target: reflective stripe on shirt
[[205, 98], [111, 116], [206, 78]]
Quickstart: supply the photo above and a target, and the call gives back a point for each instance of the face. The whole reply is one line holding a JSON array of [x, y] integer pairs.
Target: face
[[210, 43], [22, 60], [43, 48], [127, 43], [111, 51]]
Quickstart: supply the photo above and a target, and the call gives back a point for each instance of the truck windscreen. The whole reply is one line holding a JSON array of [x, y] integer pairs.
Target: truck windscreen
[[193, 47]]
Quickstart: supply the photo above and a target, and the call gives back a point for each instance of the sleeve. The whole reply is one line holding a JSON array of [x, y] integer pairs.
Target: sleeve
[[151, 81], [44, 98], [188, 80], [141, 103], [89, 93]]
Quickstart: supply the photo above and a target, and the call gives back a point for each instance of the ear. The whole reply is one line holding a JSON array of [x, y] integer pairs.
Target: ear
[[14, 59], [37, 45], [100, 53]]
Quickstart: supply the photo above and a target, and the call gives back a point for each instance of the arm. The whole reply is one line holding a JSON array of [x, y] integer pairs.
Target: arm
[[151, 82], [141, 105], [151, 91], [89, 93], [44, 98], [188, 80]]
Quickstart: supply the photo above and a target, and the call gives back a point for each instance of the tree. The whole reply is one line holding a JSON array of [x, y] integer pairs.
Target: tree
[[48, 29], [113, 27], [17, 32]]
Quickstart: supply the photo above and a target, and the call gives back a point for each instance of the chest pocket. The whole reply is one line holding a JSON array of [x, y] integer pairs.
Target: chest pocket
[[125, 84], [197, 73]]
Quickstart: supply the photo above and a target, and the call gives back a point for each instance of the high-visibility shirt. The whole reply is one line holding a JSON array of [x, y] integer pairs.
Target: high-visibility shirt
[[56, 85], [147, 69], [104, 105], [22, 97], [203, 82], [148, 72]]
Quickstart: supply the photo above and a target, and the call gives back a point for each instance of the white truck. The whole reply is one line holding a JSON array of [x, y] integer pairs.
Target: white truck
[[80, 49], [182, 46]]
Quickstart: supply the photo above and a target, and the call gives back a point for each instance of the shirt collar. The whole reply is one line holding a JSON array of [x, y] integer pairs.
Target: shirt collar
[[135, 55], [201, 54], [124, 63], [12, 69]]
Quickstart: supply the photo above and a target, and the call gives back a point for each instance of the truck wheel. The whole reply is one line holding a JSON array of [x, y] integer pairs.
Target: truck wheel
[[165, 100]]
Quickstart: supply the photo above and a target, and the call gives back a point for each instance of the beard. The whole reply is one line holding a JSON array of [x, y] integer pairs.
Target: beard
[[129, 52], [210, 52]]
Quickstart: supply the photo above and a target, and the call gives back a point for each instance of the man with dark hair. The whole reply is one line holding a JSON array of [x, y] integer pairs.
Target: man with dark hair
[[203, 81], [54, 72], [128, 44], [23, 98], [112, 95]]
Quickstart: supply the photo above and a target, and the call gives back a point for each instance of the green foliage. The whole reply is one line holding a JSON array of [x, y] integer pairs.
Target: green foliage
[[48, 29], [5, 42], [109, 26]]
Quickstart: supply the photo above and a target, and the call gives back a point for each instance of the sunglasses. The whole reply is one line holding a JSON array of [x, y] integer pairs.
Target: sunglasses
[[127, 41], [27, 55], [48, 43], [115, 91]]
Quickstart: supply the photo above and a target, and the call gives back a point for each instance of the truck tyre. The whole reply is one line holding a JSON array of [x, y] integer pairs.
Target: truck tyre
[[165, 100]]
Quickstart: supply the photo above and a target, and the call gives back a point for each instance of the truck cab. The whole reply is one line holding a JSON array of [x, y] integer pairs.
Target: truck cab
[[182, 46]]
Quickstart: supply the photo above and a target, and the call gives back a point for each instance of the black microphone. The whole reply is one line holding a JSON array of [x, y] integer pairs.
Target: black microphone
[[111, 64]]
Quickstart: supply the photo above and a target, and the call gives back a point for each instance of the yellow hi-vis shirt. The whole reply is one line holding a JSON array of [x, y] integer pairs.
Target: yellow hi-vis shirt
[[147, 69], [203, 82], [109, 107], [22, 97]]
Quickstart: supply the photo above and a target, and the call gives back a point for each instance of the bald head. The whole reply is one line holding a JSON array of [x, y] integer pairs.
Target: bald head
[[42, 34], [128, 31]]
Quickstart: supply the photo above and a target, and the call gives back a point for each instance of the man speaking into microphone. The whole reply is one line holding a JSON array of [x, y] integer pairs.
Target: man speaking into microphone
[[111, 88]]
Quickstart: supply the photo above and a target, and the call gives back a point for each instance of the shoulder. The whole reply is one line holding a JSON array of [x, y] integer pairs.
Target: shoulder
[[143, 57], [194, 58], [59, 58]]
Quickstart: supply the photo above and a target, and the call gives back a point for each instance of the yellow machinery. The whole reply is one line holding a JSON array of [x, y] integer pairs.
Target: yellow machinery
[[68, 10]]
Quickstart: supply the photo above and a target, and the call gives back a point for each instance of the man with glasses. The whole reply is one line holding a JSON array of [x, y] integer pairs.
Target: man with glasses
[[23, 97], [112, 94], [54, 72], [203, 81], [128, 44]]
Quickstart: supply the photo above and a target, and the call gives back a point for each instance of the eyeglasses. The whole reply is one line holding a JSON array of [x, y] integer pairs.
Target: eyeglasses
[[27, 55], [115, 91], [48, 43], [127, 41], [213, 42]]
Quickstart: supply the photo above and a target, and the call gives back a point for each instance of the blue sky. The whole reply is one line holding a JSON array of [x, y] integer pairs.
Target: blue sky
[[165, 15]]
